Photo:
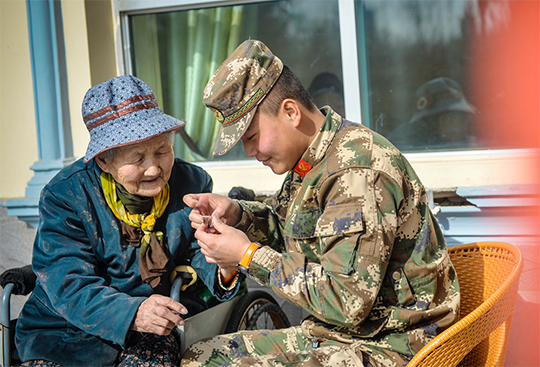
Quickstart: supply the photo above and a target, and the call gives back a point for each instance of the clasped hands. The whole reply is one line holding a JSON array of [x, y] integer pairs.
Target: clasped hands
[[220, 243]]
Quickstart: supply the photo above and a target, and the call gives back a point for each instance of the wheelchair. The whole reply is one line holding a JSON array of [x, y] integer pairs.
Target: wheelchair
[[254, 310]]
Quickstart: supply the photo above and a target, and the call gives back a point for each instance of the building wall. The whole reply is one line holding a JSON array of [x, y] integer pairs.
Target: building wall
[[18, 140], [17, 119], [78, 65]]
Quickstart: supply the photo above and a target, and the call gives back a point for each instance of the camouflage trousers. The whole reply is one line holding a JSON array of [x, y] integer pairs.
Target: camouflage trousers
[[285, 347]]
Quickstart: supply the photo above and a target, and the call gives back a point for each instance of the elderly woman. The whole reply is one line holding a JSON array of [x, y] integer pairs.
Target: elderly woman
[[113, 229]]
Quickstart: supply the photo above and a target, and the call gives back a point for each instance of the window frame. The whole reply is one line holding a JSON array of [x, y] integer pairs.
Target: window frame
[[462, 168]]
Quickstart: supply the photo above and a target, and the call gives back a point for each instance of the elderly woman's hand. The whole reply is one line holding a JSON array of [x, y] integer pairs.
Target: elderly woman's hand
[[205, 205], [158, 315]]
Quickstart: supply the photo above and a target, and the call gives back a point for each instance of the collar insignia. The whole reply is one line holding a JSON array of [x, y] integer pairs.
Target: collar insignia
[[302, 168]]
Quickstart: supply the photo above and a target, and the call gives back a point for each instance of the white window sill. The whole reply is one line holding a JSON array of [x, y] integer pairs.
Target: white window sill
[[435, 169]]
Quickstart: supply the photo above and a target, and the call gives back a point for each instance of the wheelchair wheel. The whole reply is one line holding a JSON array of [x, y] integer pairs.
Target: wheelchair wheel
[[257, 310]]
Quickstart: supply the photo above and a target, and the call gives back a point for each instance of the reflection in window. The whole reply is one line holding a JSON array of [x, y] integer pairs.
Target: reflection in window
[[442, 119], [177, 52], [420, 58], [326, 89]]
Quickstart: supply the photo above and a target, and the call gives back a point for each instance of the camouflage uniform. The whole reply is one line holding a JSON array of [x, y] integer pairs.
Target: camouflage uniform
[[354, 243]]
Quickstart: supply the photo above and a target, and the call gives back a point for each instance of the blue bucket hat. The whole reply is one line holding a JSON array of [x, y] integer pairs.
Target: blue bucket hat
[[123, 111]]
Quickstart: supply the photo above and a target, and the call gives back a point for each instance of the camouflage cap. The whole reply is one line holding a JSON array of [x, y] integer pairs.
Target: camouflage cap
[[237, 87]]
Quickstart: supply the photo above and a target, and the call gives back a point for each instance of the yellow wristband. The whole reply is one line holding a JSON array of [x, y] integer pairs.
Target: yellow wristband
[[248, 255]]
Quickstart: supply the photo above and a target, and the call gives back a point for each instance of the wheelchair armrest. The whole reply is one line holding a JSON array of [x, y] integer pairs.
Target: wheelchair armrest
[[6, 330], [5, 305], [184, 276], [20, 281], [23, 279]]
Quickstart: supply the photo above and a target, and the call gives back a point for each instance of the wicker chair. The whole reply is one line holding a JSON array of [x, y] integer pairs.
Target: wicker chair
[[488, 276]]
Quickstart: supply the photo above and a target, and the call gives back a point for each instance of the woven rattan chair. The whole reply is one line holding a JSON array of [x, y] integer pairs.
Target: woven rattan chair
[[488, 275]]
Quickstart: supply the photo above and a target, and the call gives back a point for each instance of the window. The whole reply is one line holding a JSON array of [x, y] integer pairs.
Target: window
[[423, 86], [176, 53], [383, 52]]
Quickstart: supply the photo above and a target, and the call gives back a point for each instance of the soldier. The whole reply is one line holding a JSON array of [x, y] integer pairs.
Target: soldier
[[349, 237]]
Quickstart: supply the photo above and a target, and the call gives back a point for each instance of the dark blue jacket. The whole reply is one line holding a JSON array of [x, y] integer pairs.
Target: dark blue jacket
[[89, 285]]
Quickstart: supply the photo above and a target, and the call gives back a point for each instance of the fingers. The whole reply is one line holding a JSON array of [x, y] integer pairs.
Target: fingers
[[192, 200], [225, 247], [199, 204], [219, 224], [196, 218], [205, 250], [207, 235], [219, 212], [158, 315], [211, 205], [203, 203], [210, 260], [170, 304]]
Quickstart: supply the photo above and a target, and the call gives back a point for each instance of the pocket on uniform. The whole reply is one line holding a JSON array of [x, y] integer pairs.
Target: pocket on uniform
[[303, 224], [340, 220], [344, 223]]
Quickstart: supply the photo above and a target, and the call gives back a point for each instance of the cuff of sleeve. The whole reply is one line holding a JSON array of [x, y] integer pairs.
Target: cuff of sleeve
[[224, 294], [233, 282], [263, 262], [127, 338]]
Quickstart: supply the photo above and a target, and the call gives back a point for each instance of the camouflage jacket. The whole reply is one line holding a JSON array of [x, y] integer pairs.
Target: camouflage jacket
[[355, 244]]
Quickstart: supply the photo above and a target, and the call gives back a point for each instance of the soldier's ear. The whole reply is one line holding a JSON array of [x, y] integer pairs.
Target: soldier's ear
[[291, 109]]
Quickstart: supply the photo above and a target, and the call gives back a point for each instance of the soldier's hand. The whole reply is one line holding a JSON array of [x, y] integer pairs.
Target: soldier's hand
[[205, 205], [225, 246]]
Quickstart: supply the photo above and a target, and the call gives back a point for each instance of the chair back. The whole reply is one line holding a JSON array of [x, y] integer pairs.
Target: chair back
[[488, 274]]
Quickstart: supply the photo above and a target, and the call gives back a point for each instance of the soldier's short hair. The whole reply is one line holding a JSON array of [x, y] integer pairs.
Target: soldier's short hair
[[287, 86]]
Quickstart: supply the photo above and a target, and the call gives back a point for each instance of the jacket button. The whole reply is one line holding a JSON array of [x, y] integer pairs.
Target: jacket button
[[396, 275]]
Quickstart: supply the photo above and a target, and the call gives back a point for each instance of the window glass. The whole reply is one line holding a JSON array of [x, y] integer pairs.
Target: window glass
[[177, 52], [424, 72]]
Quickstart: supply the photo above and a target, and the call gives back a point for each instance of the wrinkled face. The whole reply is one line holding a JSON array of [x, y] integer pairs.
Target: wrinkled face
[[274, 142], [142, 168]]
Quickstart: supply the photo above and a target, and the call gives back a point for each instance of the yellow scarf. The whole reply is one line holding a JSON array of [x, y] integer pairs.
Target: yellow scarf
[[146, 222]]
